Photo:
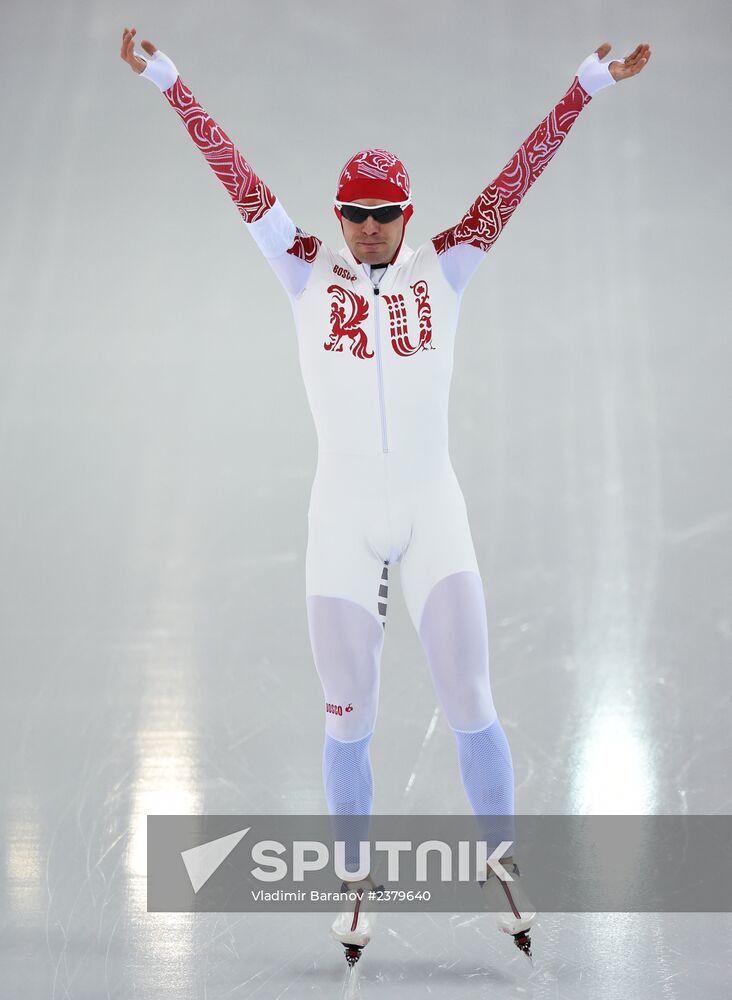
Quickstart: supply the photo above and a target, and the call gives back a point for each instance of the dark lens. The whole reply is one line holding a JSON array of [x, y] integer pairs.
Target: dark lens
[[358, 214], [353, 213], [386, 214]]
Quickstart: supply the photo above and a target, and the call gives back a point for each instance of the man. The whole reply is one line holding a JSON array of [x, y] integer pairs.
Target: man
[[376, 326]]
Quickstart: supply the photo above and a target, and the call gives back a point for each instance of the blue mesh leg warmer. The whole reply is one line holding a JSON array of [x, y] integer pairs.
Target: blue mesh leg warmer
[[349, 790], [486, 768]]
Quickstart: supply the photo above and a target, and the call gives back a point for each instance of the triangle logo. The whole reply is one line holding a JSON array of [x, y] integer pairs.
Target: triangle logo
[[202, 861]]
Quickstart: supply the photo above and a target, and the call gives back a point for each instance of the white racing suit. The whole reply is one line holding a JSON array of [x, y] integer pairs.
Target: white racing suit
[[377, 364]]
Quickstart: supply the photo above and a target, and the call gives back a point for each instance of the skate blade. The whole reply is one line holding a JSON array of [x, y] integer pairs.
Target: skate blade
[[352, 982], [523, 943]]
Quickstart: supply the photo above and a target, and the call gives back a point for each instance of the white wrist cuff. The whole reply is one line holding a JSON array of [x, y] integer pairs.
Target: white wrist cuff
[[159, 69], [594, 75]]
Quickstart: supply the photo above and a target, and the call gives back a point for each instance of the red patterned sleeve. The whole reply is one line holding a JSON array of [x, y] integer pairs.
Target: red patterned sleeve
[[494, 206], [249, 193], [304, 246]]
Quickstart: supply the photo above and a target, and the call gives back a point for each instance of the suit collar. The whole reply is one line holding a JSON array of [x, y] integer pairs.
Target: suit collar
[[405, 252]]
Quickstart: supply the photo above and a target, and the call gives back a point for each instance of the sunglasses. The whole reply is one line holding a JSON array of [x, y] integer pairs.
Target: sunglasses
[[379, 213]]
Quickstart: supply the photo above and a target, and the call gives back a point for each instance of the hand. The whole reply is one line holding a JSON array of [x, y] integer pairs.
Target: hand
[[633, 64], [127, 53]]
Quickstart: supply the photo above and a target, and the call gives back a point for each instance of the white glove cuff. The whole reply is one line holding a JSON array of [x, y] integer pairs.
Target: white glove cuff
[[159, 69], [594, 75]]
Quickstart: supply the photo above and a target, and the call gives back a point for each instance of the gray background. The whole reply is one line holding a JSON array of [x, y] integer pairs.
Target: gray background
[[157, 454]]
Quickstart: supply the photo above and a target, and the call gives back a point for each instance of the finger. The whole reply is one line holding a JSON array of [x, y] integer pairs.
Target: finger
[[639, 52], [129, 49], [641, 59], [637, 67]]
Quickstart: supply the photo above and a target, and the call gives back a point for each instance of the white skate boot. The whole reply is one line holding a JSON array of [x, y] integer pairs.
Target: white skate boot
[[519, 915], [354, 925]]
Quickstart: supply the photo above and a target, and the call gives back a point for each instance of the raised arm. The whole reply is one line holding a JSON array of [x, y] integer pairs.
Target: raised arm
[[289, 250], [463, 246]]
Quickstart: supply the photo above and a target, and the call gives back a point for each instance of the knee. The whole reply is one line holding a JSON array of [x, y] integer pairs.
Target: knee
[[470, 707], [352, 721]]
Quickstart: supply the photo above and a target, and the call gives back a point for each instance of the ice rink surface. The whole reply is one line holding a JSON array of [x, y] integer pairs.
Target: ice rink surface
[[157, 455]]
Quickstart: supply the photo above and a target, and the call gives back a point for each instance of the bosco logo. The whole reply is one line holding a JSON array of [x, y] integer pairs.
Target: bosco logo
[[337, 709], [343, 273]]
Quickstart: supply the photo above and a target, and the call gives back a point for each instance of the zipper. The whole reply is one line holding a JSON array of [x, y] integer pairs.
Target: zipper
[[379, 372]]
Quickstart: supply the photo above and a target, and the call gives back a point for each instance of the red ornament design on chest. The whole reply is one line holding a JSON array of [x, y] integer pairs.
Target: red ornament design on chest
[[398, 321], [348, 310]]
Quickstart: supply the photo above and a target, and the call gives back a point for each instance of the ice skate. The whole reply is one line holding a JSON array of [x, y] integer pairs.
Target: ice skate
[[354, 925], [520, 915]]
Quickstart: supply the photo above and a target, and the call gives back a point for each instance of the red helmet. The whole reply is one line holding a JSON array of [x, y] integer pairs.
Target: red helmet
[[374, 173]]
